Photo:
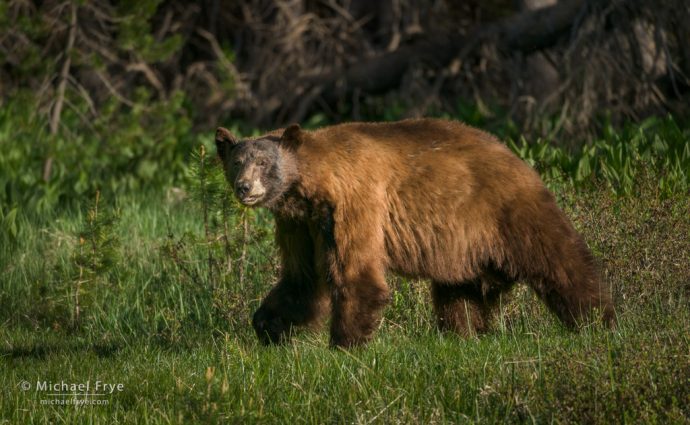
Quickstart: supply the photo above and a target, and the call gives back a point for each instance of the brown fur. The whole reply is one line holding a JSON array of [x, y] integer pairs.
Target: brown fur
[[423, 198]]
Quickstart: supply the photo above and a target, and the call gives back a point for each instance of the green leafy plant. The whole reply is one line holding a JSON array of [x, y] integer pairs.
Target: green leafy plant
[[120, 151], [655, 147]]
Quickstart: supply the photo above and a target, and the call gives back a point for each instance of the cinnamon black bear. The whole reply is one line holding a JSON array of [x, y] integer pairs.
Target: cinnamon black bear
[[424, 198]]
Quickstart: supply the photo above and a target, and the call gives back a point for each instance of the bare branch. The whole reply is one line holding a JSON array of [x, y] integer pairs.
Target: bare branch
[[62, 84], [150, 75], [113, 90]]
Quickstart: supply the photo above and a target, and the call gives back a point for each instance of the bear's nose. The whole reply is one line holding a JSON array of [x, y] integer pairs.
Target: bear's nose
[[242, 187]]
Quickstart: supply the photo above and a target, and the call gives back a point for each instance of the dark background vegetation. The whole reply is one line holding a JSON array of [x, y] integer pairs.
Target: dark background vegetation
[[110, 95], [274, 62], [124, 257]]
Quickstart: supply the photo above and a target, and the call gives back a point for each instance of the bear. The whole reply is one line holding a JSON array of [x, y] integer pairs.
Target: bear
[[427, 199]]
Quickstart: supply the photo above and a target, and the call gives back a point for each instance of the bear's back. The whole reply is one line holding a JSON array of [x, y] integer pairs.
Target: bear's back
[[412, 155], [410, 133]]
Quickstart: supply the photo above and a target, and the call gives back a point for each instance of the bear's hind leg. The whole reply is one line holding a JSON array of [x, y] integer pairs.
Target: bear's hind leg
[[467, 308], [458, 308], [574, 302], [569, 283]]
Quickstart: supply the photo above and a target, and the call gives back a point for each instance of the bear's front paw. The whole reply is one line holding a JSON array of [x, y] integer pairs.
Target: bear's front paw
[[270, 329]]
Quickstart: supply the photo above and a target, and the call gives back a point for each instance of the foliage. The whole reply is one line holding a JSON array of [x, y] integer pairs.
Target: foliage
[[84, 105], [118, 152], [229, 229], [656, 147], [96, 254], [98, 245]]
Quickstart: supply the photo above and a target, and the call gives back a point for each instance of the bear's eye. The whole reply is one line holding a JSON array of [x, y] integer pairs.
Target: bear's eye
[[262, 162], [237, 162]]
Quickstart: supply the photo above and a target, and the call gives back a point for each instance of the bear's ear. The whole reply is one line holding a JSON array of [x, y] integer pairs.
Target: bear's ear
[[292, 136], [225, 140]]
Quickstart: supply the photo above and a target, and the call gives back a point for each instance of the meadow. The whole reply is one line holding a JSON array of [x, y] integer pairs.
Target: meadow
[[153, 287]]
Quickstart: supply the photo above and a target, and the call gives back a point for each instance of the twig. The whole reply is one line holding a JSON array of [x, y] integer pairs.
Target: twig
[[77, 288], [245, 237], [205, 207], [84, 94], [226, 236], [93, 220], [114, 91], [150, 76], [241, 88], [172, 251], [213, 42]]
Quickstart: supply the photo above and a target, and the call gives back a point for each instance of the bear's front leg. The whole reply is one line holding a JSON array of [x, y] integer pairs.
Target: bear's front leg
[[299, 298], [352, 248], [358, 300], [288, 305], [269, 325]]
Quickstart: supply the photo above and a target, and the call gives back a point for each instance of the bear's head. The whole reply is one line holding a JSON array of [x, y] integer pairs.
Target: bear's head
[[261, 169]]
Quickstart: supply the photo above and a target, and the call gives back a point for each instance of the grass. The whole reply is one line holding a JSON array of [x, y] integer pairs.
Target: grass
[[518, 376], [177, 335]]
